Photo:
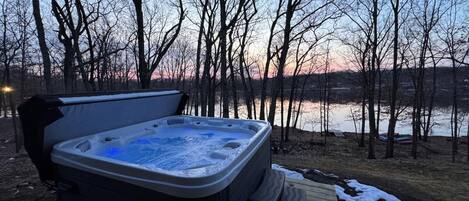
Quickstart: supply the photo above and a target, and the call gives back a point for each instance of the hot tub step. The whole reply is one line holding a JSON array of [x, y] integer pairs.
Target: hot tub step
[[271, 188], [293, 194]]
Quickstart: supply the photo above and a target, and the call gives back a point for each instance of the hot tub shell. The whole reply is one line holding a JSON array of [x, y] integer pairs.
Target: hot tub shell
[[54, 126]]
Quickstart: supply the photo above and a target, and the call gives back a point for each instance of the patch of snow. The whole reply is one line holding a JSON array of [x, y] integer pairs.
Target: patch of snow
[[288, 173], [365, 192], [325, 174], [368, 193]]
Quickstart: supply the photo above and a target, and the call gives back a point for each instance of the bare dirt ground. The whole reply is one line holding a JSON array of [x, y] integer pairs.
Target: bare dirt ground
[[431, 177], [19, 178]]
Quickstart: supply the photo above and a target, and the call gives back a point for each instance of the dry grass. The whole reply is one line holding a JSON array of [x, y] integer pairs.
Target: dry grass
[[431, 177]]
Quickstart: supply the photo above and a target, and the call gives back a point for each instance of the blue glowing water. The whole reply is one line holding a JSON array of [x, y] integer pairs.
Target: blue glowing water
[[174, 148]]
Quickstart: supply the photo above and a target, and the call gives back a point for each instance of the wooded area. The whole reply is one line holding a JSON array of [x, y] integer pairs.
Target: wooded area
[[263, 56]]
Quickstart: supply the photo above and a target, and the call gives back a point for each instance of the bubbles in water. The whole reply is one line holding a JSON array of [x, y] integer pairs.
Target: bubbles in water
[[179, 149]]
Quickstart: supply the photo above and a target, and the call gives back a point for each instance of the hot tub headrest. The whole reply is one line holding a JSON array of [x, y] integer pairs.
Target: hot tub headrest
[[49, 119]]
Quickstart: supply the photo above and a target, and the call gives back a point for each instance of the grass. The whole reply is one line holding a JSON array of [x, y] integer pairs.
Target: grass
[[431, 176]]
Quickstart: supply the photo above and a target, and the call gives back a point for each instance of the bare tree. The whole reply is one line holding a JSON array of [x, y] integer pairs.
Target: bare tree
[[426, 17], [10, 46], [270, 55], [292, 30], [365, 18], [454, 36], [395, 82], [24, 35], [142, 68], [278, 83], [68, 35], [360, 48], [146, 66], [224, 28], [301, 58], [243, 67], [302, 95], [207, 94], [198, 56], [326, 96], [428, 121]]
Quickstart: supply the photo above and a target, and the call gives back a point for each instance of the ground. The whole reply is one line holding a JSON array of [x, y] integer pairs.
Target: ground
[[431, 177], [20, 180]]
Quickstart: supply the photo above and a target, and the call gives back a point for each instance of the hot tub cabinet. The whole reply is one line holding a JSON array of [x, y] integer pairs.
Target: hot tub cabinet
[[139, 146]]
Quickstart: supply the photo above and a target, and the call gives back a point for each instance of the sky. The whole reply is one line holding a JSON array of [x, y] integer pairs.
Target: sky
[[339, 54]]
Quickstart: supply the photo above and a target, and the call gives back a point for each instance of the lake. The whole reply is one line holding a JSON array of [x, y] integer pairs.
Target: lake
[[341, 119]]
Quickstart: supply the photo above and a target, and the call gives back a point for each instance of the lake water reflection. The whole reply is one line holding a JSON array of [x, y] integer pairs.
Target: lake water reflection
[[341, 119]]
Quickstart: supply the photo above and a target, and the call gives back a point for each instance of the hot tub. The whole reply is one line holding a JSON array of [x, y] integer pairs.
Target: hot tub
[[182, 156], [164, 156]]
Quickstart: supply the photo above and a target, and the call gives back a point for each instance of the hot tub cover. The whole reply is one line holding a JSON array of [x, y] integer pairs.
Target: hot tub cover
[[49, 119]]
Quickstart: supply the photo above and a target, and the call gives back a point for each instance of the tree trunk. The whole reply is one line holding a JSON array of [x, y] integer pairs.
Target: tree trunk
[[371, 89], [69, 70], [223, 65], [198, 57], [418, 96], [378, 112], [427, 128], [455, 110], [6, 63], [23, 69], [301, 99], [247, 95], [395, 85], [42, 45], [206, 83], [363, 110], [248, 92], [142, 69], [3, 107], [327, 93], [251, 91], [290, 107], [213, 88], [234, 92], [282, 126], [90, 80], [282, 60], [267, 64]]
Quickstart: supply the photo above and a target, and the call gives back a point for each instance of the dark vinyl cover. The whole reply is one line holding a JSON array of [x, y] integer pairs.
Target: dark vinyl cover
[[50, 119]]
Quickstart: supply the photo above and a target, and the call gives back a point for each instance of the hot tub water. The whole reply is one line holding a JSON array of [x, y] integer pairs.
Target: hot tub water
[[179, 149]]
